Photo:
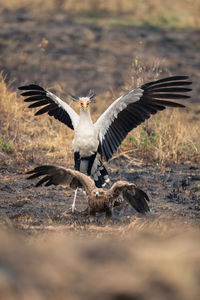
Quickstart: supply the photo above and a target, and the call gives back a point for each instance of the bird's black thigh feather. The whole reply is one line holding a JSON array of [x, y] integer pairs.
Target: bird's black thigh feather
[[77, 161], [89, 159]]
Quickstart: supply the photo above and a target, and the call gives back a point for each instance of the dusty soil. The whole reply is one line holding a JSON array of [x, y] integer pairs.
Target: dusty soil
[[173, 190]]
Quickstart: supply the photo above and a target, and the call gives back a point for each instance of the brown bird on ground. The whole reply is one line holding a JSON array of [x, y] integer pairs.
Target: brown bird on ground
[[99, 200]]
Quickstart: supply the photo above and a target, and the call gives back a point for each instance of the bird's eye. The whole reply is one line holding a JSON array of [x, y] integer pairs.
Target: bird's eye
[[84, 103]]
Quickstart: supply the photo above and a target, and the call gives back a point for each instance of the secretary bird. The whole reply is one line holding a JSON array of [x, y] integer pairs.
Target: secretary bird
[[99, 200], [106, 135]]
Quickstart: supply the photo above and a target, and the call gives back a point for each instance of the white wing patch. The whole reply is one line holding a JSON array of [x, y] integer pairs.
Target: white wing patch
[[49, 103], [105, 120], [73, 115]]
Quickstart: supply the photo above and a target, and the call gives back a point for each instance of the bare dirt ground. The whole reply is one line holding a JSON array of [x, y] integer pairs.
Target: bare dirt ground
[[52, 50], [173, 191]]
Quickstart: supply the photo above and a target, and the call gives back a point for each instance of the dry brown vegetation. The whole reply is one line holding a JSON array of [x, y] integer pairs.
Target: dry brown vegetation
[[30, 136], [180, 13]]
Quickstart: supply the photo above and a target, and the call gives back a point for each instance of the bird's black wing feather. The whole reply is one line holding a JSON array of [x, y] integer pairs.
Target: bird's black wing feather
[[155, 97], [50, 104]]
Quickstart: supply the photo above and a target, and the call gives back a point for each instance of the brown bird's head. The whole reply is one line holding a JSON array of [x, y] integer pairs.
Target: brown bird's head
[[99, 193], [99, 200]]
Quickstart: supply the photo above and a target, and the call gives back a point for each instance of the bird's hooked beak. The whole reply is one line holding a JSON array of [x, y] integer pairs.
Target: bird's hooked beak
[[96, 194]]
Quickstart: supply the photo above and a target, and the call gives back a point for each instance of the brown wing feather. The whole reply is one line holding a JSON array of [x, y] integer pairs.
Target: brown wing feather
[[117, 188], [137, 199], [59, 175], [133, 195]]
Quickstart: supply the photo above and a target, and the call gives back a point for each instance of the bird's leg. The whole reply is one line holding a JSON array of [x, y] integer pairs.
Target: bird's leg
[[109, 213], [74, 201], [92, 215], [123, 207]]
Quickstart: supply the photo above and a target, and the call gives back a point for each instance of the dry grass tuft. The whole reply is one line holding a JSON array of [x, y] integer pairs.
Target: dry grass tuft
[[167, 137], [170, 136]]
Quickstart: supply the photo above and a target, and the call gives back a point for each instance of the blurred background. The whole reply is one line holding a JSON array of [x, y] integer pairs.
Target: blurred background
[[111, 46], [98, 44]]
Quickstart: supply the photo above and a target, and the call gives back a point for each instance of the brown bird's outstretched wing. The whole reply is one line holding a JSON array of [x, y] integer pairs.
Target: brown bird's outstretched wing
[[131, 194], [137, 199], [59, 175]]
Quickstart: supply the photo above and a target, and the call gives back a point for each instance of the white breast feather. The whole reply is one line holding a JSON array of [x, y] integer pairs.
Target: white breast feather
[[85, 137]]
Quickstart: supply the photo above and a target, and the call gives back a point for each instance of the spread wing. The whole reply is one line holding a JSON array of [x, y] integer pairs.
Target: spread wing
[[137, 199], [130, 110], [59, 175], [132, 194], [50, 104]]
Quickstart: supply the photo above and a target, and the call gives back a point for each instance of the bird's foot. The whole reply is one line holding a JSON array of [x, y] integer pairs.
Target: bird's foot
[[85, 211], [123, 209], [73, 209]]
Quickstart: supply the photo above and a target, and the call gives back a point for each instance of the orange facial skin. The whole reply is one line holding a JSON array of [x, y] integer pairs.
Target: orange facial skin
[[84, 104]]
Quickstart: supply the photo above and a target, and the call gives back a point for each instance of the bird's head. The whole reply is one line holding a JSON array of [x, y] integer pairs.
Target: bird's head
[[98, 193], [85, 101]]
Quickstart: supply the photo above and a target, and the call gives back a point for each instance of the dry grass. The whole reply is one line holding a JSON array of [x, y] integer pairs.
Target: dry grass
[[32, 138], [170, 136], [169, 13]]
